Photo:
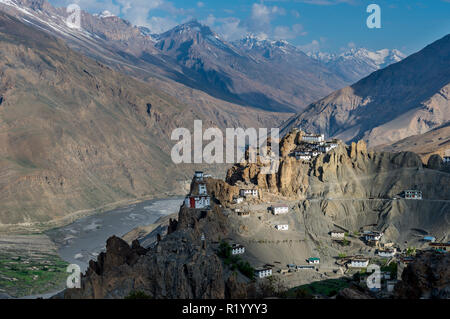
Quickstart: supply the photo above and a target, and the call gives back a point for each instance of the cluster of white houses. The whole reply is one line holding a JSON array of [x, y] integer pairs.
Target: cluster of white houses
[[245, 193], [313, 145]]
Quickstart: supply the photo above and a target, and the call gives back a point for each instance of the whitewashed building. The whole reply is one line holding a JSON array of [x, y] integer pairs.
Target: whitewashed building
[[314, 260], [237, 249], [304, 156], [327, 147], [282, 227], [313, 138], [280, 209], [413, 194], [359, 263], [248, 192], [263, 272], [198, 175], [198, 202], [387, 252], [238, 200], [373, 235], [202, 189]]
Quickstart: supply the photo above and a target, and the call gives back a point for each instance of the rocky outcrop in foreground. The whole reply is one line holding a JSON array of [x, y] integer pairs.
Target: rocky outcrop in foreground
[[180, 265], [427, 277]]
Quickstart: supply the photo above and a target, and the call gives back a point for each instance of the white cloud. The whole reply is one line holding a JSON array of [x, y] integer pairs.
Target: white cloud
[[314, 46], [200, 4], [229, 28], [286, 33], [295, 13]]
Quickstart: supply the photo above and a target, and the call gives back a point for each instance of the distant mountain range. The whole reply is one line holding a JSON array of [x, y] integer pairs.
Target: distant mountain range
[[436, 141], [263, 74], [359, 62], [86, 114], [407, 98]]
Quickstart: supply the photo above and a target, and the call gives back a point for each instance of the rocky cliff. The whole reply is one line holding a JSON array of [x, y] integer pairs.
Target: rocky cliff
[[427, 277], [179, 265], [348, 187]]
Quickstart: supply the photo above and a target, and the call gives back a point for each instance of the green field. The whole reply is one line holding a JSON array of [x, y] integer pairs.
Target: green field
[[329, 288], [33, 274]]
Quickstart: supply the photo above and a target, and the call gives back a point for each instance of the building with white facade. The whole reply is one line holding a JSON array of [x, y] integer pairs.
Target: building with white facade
[[413, 194], [387, 252], [198, 202], [304, 156], [237, 249], [238, 200], [280, 209], [263, 272], [313, 138], [314, 260], [373, 235], [198, 175], [248, 192], [202, 189], [282, 227], [337, 234], [327, 147], [359, 263]]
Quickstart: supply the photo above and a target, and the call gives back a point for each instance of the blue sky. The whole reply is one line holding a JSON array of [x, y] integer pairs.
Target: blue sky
[[325, 25]]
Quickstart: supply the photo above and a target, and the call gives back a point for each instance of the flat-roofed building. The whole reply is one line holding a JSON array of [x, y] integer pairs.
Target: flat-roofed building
[[359, 263], [237, 249], [313, 138], [337, 234], [413, 194], [282, 227], [263, 272], [279, 209]]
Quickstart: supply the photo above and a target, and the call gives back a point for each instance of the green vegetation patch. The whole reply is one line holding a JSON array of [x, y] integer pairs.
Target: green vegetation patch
[[31, 275], [329, 288]]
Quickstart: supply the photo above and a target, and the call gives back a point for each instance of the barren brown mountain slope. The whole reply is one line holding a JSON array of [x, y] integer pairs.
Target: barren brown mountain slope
[[76, 135], [407, 98], [349, 188], [436, 141]]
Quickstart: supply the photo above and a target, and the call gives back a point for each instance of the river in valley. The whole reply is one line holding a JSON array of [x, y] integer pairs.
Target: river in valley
[[85, 238]]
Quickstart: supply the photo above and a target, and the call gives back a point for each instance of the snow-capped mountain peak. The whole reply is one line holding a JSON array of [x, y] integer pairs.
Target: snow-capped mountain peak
[[358, 62]]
